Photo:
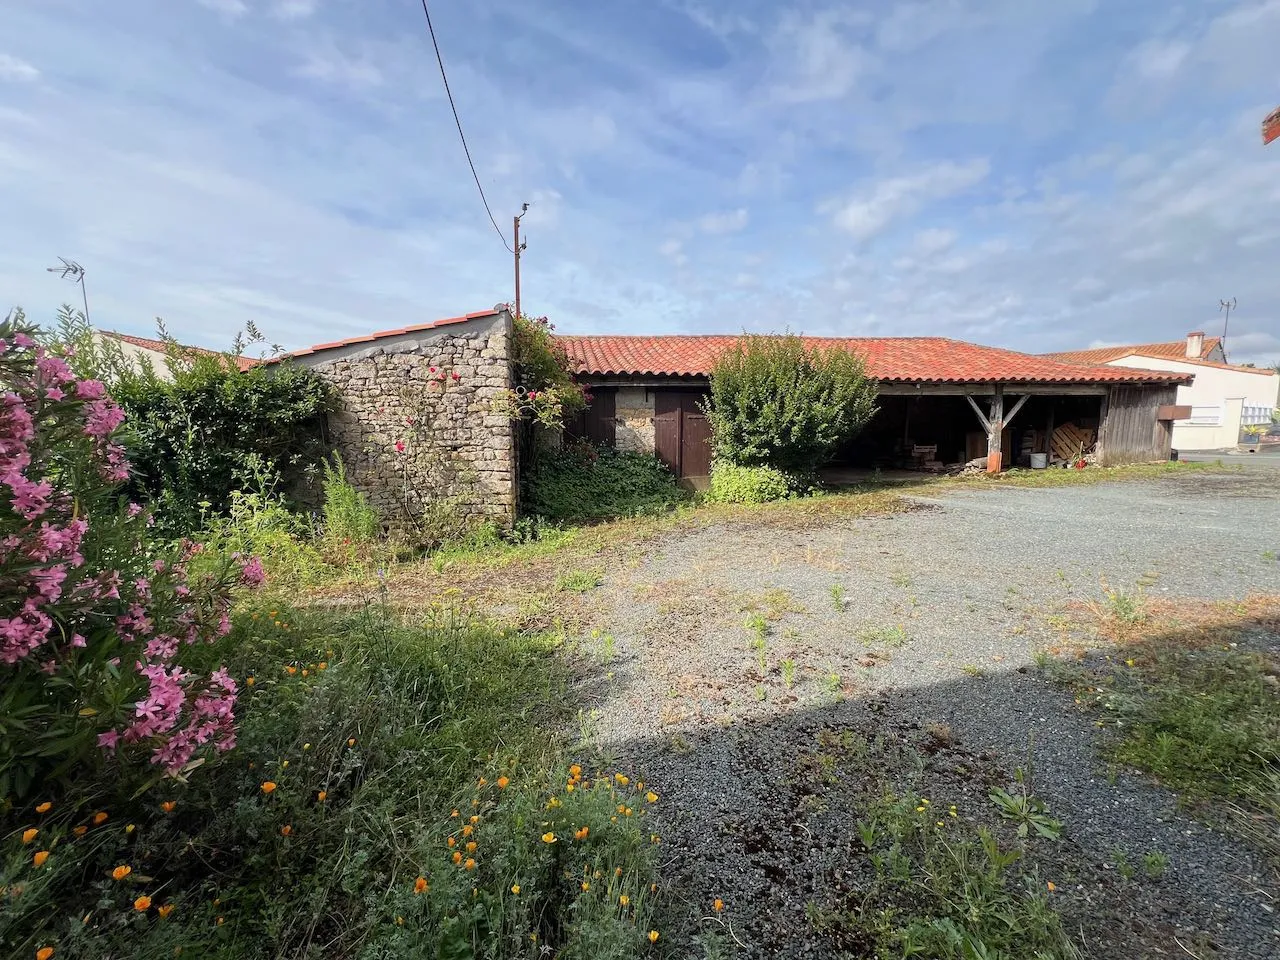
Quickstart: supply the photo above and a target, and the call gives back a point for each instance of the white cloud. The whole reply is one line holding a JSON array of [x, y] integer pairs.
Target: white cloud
[[869, 212], [332, 66], [11, 68], [730, 221], [817, 57], [1159, 59], [229, 8], [295, 9], [909, 26], [673, 250], [933, 241]]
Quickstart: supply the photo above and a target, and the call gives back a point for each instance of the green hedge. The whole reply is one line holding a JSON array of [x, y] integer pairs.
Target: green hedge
[[585, 482], [214, 429], [731, 483]]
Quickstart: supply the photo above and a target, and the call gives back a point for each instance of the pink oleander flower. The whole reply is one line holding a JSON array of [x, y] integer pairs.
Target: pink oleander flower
[[252, 574]]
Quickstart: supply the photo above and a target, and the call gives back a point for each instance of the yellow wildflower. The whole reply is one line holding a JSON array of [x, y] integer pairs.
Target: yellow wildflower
[[165, 910], [457, 856], [651, 797], [653, 936], [471, 846], [548, 837], [718, 905], [469, 864], [515, 888], [322, 796], [624, 900], [502, 783], [622, 779]]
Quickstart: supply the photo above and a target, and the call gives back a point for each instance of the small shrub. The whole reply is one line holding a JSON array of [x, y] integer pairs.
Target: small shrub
[[347, 513], [731, 483], [777, 402], [584, 482]]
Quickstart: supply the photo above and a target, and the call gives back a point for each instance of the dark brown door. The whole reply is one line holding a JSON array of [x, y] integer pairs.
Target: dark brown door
[[682, 433], [597, 422]]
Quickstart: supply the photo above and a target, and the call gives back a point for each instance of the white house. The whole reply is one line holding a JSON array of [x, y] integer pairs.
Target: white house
[[1225, 399]]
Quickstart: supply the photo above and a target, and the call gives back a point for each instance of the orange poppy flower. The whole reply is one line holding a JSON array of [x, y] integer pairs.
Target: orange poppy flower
[[420, 885], [142, 903], [268, 786], [44, 807], [29, 834], [120, 872], [168, 806], [40, 858]]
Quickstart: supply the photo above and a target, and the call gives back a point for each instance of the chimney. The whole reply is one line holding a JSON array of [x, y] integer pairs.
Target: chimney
[[1195, 345]]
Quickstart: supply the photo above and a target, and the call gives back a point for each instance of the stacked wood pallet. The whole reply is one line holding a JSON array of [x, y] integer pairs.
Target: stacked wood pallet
[[1070, 441]]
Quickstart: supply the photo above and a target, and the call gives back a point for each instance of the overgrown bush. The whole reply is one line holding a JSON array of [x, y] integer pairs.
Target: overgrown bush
[[98, 625], [347, 514], [206, 430], [778, 402], [731, 483], [584, 482], [394, 793]]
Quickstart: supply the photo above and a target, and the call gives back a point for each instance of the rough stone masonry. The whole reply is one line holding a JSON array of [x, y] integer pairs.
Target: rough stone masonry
[[415, 422]]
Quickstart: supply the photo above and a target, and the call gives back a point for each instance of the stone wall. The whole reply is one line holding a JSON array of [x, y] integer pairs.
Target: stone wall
[[634, 413], [415, 423]]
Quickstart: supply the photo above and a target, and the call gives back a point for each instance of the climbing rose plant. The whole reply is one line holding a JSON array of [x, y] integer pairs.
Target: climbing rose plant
[[95, 620]]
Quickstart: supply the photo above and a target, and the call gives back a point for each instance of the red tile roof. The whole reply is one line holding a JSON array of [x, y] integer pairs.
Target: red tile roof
[[1170, 350], [909, 359], [159, 346], [369, 337]]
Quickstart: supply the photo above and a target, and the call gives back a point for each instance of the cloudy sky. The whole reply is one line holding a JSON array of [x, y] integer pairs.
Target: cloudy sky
[[1035, 175]]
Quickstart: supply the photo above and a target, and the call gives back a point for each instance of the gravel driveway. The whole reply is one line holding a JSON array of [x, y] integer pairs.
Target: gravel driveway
[[917, 632]]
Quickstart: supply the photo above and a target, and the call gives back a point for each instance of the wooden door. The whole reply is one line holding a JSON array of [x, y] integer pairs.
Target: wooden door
[[682, 433]]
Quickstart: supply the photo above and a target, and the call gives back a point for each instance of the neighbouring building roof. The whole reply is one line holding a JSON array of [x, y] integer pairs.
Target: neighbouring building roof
[[160, 347], [1170, 350], [890, 359]]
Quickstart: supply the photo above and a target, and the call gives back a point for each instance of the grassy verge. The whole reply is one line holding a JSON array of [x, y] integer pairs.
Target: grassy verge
[[1191, 697], [397, 791]]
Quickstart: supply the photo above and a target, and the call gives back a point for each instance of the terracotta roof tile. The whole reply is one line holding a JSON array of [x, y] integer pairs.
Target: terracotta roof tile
[[159, 346], [909, 359], [1170, 350]]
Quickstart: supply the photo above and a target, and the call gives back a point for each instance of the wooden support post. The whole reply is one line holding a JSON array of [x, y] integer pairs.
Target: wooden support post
[[995, 432]]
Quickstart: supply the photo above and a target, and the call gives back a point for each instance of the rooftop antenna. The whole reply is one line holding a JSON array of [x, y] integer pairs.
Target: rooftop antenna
[[70, 270], [1226, 306]]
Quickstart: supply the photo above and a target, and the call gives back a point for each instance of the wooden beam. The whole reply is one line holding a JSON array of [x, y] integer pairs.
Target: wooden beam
[[996, 431], [1016, 407], [986, 390], [986, 424]]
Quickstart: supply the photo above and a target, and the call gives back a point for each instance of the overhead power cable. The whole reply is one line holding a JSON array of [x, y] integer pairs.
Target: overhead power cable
[[465, 149]]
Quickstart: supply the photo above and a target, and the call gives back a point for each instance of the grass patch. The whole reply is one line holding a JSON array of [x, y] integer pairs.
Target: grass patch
[[891, 636], [579, 581], [1191, 700], [373, 753], [938, 888]]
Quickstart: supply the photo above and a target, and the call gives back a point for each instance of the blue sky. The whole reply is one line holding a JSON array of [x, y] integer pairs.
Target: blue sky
[[1032, 175]]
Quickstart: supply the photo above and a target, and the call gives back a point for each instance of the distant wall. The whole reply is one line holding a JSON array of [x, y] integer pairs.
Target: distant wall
[[410, 434], [633, 412]]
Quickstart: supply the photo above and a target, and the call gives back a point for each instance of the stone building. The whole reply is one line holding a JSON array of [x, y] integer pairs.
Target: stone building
[[417, 423]]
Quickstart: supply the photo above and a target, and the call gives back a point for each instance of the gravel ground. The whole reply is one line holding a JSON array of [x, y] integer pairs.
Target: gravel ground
[[934, 620]]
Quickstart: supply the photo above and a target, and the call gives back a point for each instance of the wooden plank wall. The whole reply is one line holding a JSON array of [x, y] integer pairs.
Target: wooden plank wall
[[1129, 431]]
